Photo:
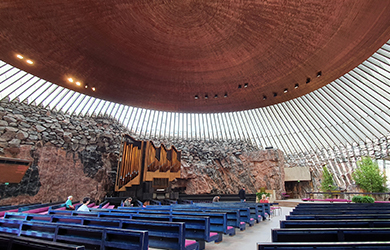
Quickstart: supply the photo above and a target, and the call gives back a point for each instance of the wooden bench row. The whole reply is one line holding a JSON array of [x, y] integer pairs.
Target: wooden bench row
[[196, 227], [323, 245], [329, 226], [232, 215], [13, 242], [90, 237], [162, 234]]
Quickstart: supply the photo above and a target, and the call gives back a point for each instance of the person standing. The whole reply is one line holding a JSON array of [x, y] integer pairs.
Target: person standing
[[84, 207], [68, 203], [216, 199], [241, 194]]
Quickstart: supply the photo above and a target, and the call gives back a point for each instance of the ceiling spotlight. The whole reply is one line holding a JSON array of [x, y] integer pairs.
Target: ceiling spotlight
[[196, 97], [86, 86], [216, 96], [225, 95], [19, 56], [70, 79], [264, 97], [29, 62], [296, 86], [93, 89], [275, 94], [308, 80], [285, 90], [319, 73], [239, 86], [206, 97], [78, 83], [246, 85]]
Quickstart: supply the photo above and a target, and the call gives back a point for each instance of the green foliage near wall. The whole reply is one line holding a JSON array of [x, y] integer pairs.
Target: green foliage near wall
[[368, 176], [362, 199], [327, 182]]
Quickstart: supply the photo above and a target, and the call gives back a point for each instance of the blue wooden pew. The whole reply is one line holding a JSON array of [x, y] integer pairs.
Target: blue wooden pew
[[374, 223], [218, 221], [330, 234], [233, 215], [337, 217], [196, 227], [323, 245], [338, 212], [90, 237], [13, 242], [237, 217], [245, 210], [162, 234]]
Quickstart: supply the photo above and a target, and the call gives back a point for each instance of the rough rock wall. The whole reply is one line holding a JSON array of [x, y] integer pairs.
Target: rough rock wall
[[78, 156], [224, 167], [70, 155]]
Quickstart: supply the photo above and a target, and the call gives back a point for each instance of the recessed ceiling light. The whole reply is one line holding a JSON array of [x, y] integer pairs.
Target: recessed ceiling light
[[19, 56], [29, 61], [275, 94], [78, 83], [264, 97], [285, 90], [319, 73], [93, 89], [296, 86], [216, 96], [239, 86], [308, 80], [70, 79], [225, 95], [196, 97], [246, 85], [206, 97], [86, 86]]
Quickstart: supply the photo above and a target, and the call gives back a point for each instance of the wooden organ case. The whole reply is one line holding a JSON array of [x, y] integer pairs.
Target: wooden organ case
[[146, 171]]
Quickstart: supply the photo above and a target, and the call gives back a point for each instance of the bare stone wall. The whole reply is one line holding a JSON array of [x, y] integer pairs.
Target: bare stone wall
[[78, 156]]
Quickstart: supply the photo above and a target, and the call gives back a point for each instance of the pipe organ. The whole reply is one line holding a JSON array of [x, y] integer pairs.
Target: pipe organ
[[142, 161]]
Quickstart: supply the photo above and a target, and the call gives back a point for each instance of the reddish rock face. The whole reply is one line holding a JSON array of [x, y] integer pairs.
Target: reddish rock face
[[61, 174], [252, 170]]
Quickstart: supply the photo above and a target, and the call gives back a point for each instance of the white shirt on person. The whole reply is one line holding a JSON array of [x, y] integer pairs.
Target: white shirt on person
[[83, 208]]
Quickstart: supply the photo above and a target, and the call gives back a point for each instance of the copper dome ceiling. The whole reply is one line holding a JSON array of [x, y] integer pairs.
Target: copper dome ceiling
[[187, 55]]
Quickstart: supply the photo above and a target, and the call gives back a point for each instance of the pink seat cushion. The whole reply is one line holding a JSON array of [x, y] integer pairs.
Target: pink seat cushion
[[242, 222], [213, 234], [190, 242], [252, 219], [229, 227]]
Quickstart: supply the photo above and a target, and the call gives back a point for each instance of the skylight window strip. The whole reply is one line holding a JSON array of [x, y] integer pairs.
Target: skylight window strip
[[66, 101], [76, 102], [39, 93], [12, 89], [81, 106], [91, 106], [355, 117], [49, 96], [265, 133]]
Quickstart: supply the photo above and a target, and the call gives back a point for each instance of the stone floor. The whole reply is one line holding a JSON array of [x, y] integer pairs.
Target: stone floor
[[247, 239]]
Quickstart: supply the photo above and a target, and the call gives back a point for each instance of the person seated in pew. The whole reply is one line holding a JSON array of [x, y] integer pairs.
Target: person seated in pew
[[127, 202], [216, 198], [68, 203], [84, 207], [264, 199]]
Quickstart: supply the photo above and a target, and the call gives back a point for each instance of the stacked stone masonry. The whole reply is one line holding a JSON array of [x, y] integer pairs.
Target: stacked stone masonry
[[78, 156]]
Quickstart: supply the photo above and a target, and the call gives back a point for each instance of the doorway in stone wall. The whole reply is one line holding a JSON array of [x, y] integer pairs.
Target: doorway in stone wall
[[297, 189]]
